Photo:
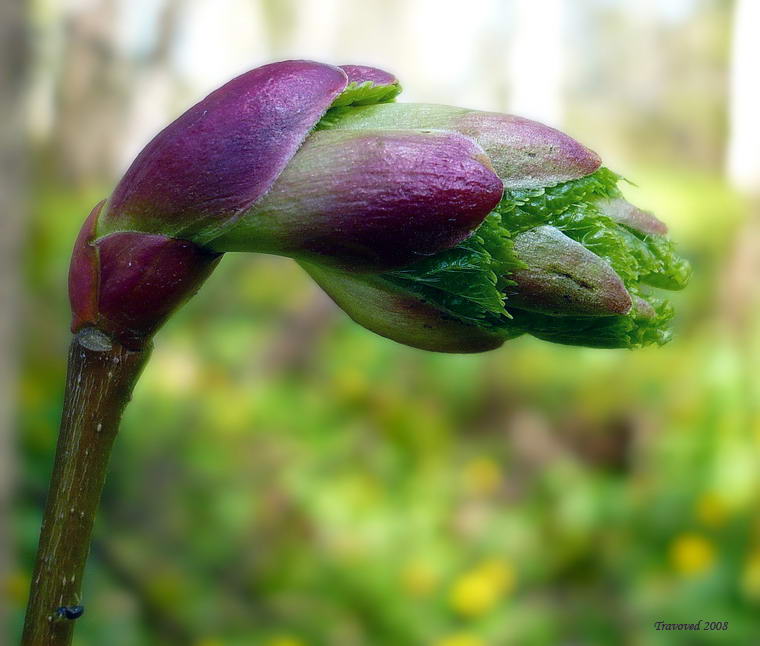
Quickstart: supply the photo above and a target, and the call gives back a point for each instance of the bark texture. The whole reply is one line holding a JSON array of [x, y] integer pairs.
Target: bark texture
[[101, 376]]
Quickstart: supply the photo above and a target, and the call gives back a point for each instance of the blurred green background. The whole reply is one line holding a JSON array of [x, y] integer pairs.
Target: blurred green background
[[285, 478]]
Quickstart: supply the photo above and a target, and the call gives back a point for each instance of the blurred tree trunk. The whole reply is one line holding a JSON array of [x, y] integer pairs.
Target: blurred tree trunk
[[739, 290], [13, 65], [744, 137], [109, 97], [153, 87], [90, 96]]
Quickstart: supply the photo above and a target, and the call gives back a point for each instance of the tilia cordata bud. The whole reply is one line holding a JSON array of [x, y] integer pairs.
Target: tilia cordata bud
[[439, 227], [443, 228]]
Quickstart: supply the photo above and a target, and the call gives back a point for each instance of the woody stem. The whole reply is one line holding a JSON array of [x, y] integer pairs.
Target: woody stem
[[99, 383]]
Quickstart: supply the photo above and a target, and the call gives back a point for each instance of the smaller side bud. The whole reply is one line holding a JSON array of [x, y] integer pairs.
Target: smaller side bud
[[563, 278], [126, 284]]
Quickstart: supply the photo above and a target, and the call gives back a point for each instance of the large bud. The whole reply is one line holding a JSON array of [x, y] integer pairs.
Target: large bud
[[240, 171], [441, 227]]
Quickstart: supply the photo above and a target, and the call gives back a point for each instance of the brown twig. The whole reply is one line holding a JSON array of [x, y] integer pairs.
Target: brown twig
[[101, 376]]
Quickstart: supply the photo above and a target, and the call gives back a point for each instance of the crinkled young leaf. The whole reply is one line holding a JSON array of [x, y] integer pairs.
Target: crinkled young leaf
[[367, 93], [469, 282], [572, 208], [466, 281]]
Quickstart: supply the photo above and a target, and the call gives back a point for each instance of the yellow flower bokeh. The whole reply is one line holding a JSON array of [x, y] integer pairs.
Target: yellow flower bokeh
[[479, 590], [692, 554], [461, 639]]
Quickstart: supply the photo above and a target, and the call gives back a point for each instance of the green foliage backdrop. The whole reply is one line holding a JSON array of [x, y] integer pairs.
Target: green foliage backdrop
[[285, 478]]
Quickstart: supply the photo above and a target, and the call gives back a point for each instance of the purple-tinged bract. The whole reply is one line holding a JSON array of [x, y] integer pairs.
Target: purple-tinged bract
[[224, 153], [371, 200]]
